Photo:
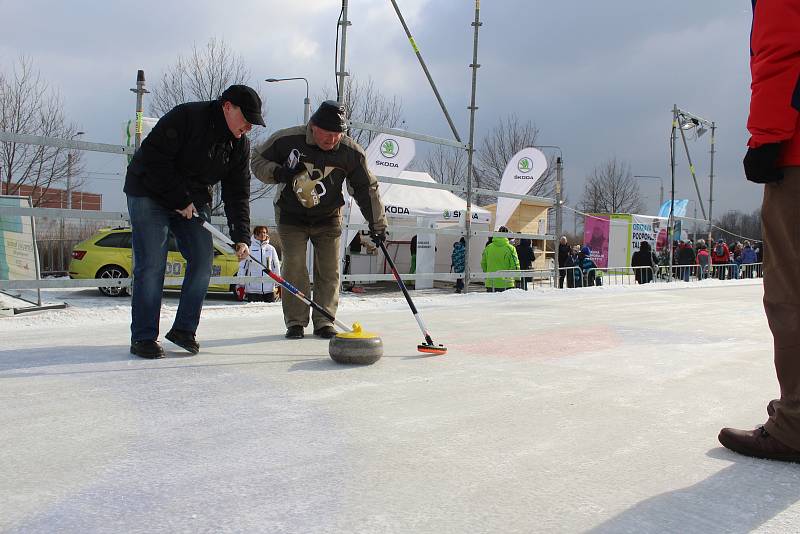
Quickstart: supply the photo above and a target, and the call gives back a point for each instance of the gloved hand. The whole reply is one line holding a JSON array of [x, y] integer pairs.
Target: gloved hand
[[760, 164], [378, 237], [285, 175], [242, 251]]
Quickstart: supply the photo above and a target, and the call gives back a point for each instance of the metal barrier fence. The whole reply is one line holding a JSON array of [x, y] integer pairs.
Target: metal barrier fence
[[573, 277], [57, 252], [720, 271], [617, 276]]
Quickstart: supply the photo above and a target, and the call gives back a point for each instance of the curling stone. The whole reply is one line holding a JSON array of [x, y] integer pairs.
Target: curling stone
[[356, 347]]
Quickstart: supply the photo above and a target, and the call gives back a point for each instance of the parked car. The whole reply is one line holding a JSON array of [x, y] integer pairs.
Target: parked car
[[107, 254]]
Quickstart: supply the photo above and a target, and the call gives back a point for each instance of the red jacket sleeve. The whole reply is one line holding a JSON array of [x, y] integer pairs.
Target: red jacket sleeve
[[775, 69]]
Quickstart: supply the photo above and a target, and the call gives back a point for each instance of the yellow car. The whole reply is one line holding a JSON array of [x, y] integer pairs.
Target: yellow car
[[107, 254]]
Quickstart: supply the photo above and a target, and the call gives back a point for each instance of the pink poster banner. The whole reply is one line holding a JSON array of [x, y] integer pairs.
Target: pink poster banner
[[596, 229]]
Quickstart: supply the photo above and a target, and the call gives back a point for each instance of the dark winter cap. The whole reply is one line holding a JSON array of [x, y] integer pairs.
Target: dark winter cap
[[586, 251], [330, 116], [247, 100]]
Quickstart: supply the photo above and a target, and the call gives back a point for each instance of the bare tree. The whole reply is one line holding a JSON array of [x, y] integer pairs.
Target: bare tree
[[365, 103], [497, 148], [447, 165], [611, 188], [492, 155], [203, 75], [29, 106], [737, 225]]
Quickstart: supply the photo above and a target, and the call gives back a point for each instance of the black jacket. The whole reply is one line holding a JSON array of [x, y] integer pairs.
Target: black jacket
[[525, 254], [686, 256], [563, 252], [644, 257], [189, 150]]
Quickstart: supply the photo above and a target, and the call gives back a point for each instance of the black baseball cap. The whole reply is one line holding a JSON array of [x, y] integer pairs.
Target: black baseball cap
[[330, 116], [247, 100]]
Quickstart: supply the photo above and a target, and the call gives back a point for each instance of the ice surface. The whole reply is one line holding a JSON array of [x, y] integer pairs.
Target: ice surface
[[553, 411]]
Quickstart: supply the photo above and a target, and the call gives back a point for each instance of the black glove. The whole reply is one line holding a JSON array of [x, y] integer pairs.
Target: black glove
[[760, 164], [378, 237], [286, 175]]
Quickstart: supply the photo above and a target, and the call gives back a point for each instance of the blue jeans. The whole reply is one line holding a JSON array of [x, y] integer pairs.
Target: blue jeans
[[151, 224]]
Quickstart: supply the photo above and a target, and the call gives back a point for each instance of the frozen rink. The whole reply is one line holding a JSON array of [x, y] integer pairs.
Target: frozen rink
[[554, 411]]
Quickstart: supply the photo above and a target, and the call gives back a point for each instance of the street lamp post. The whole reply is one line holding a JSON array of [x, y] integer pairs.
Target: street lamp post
[[661, 187], [306, 117], [711, 178], [306, 101], [681, 121]]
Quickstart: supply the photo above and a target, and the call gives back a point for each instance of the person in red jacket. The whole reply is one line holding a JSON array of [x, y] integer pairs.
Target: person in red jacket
[[720, 255], [703, 260], [773, 159]]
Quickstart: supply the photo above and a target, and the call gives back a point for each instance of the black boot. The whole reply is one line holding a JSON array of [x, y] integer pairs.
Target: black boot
[[147, 348], [325, 332], [295, 332], [184, 340]]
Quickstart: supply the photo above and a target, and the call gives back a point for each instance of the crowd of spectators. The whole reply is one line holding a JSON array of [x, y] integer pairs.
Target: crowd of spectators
[[721, 260], [690, 261]]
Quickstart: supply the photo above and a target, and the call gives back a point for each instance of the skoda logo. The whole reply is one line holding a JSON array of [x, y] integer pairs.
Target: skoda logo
[[525, 165], [446, 214], [389, 148]]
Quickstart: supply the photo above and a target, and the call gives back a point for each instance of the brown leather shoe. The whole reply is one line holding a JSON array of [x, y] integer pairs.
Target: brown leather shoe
[[771, 407], [757, 443]]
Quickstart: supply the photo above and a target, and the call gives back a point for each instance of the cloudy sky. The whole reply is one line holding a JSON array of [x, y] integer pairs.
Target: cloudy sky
[[599, 79]]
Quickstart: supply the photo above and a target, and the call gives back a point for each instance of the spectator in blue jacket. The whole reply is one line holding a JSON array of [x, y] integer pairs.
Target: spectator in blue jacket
[[748, 258], [588, 272]]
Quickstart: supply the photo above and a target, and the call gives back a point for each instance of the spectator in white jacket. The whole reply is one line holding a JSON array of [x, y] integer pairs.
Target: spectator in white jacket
[[260, 249]]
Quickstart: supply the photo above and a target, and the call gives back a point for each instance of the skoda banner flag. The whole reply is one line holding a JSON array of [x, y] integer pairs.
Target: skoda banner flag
[[389, 155], [524, 169]]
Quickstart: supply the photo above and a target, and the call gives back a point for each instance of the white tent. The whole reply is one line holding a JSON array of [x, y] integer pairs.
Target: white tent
[[405, 203], [410, 202]]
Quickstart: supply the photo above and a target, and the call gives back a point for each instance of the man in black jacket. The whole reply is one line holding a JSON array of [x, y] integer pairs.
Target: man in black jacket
[[644, 263], [563, 256], [310, 164], [168, 184], [686, 256], [526, 257]]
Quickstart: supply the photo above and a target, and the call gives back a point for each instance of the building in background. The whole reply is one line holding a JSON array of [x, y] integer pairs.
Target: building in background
[[55, 198]]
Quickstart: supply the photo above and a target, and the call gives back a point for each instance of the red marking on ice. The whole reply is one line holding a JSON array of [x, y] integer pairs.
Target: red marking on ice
[[554, 343]]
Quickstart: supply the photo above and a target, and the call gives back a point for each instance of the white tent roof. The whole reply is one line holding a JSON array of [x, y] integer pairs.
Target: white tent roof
[[409, 201]]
